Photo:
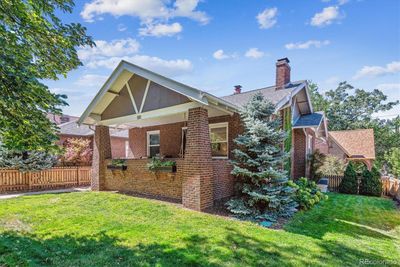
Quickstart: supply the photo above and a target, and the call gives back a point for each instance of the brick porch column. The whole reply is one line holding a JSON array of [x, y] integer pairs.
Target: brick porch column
[[197, 184], [101, 152]]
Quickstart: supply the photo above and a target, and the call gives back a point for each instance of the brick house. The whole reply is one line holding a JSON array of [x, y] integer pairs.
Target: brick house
[[69, 128], [194, 128]]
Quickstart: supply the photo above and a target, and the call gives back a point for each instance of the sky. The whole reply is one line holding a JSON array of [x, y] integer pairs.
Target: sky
[[213, 45]]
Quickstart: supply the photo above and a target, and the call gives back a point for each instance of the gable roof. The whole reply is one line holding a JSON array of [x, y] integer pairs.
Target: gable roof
[[309, 120], [355, 143], [229, 104], [73, 128], [124, 71], [277, 97]]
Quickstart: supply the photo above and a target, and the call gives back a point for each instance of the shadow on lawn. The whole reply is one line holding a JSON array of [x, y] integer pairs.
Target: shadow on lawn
[[102, 250], [353, 216]]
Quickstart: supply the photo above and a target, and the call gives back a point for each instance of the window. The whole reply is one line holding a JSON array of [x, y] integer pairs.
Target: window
[[219, 140], [153, 143]]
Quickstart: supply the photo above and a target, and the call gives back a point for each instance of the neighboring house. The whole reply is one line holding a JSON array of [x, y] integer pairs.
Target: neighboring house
[[352, 145], [69, 128], [191, 126]]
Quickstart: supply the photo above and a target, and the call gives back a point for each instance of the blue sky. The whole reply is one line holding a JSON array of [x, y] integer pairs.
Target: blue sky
[[214, 45]]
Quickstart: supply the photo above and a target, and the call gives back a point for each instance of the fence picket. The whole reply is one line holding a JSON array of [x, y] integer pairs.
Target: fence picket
[[12, 180]]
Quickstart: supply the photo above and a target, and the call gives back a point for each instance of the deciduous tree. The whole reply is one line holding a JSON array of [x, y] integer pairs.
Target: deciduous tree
[[34, 46]]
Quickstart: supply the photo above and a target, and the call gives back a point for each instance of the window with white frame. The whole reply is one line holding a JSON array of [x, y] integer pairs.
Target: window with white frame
[[219, 140], [153, 143]]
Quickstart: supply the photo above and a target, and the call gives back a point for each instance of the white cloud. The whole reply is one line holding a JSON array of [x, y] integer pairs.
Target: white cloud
[[121, 27], [343, 2], [220, 54], [166, 67], [254, 53], [307, 44], [159, 30], [119, 47], [389, 87], [374, 71], [326, 17], [91, 80], [267, 18], [146, 10], [186, 8], [109, 54]]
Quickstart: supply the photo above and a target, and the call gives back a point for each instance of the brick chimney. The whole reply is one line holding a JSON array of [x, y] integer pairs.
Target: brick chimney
[[282, 73], [237, 90]]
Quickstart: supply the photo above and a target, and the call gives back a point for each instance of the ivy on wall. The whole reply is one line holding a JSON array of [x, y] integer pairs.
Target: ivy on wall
[[287, 126]]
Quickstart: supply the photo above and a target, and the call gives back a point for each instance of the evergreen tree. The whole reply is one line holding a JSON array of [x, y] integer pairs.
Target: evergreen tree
[[264, 188], [371, 183], [349, 182]]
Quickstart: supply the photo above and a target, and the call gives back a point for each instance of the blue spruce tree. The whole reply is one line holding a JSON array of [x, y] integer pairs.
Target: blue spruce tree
[[264, 189]]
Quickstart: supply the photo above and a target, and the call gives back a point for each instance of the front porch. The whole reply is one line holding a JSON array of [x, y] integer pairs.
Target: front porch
[[167, 119]]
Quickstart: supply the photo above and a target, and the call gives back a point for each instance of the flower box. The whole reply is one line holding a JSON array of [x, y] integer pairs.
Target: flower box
[[165, 169], [117, 167]]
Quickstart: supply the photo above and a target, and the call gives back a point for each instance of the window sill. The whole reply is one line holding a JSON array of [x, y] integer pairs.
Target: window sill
[[220, 157]]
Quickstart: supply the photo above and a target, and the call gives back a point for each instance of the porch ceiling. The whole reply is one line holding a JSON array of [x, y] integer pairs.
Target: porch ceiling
[[133, 96]]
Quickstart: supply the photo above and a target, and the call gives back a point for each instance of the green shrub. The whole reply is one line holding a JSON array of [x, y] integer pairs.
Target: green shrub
[[27, 160], [371, 183], [118, 162], [316, 160], [331, 166], [348, 184], [307, 193]]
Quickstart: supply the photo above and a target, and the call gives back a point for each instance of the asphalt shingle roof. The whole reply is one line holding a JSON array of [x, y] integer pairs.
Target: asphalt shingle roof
[[356, 143], [309, 120], [269, 93]]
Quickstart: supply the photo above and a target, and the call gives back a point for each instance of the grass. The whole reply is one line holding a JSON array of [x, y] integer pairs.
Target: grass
[[108, 229]]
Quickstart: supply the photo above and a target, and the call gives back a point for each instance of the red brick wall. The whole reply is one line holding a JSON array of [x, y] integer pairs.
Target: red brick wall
[[322, 146], [198, 185], [224, 182], [170, 139], [138, 179], [299, 150], [336, 151], [171, 136], [118, 147]]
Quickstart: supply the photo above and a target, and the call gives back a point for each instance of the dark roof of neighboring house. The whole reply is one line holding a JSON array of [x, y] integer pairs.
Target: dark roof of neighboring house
[[72, 128], [355, 143], [309, 120], [269, 93]]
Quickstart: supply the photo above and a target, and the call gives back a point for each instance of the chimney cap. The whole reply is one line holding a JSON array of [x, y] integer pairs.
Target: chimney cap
[[285, 59], [238, 89]]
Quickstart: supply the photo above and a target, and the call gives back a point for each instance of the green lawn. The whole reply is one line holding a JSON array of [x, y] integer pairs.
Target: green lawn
[[108, 229]]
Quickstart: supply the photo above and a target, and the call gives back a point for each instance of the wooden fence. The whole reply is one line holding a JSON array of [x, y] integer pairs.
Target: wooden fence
[[389, 186], [12, 180]]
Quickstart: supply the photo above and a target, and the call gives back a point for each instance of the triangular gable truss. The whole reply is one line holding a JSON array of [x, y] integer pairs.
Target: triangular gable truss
[[119, 83]]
